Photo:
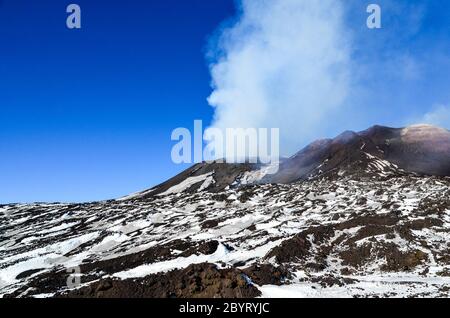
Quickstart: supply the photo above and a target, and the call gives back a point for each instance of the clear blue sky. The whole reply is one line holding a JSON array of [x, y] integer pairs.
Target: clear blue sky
[[87, 114]]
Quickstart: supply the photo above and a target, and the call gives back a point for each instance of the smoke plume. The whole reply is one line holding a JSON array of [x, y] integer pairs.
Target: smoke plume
[[281, 64]]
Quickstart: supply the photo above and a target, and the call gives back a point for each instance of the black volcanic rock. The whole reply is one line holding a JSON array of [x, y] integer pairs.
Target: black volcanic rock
[[196, 281]]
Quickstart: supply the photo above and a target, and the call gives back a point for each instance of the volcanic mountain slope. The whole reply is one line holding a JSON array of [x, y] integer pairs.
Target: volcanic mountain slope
[[420, 149], [384, 151], [219, 176], [356, 227]]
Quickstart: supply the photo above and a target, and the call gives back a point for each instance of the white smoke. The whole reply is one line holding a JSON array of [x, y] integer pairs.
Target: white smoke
[[283, 64], [438, 116]]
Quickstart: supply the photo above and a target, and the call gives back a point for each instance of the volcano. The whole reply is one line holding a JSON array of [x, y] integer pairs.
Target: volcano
[[365, 214], [378, 151]]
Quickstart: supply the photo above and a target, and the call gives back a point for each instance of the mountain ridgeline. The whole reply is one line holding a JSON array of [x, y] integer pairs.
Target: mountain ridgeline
[[376, 152], [419, 149]]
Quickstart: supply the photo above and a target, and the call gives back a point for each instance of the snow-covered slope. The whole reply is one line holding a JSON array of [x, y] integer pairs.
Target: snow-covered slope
[[357, 215], [371, 237]]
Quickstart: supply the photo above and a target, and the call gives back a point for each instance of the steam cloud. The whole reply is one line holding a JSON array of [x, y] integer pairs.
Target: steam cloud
[[439, 116], [283, 64]]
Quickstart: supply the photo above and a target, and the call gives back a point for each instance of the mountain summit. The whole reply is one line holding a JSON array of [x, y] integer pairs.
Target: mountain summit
[[420, 149]]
